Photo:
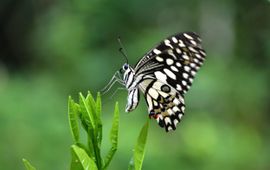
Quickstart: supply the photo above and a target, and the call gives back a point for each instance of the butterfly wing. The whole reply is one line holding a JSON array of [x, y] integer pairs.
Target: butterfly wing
[[174, 61], [165, 103]]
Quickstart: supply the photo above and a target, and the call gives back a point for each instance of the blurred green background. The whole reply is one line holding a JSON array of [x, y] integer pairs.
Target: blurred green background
[[51, 49]]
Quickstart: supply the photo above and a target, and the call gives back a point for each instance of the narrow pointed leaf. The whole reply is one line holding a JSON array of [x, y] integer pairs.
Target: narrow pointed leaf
[[139, 150], [75, 163], [92, 106], [87, 122], [27, 165], [86, 111], [92, 142], [99, 123], [93, 135], [113, 136], [98, 105], [73, 120], [86, 162]]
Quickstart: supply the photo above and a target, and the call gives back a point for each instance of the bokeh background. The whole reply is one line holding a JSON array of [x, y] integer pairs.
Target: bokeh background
[[51, 49]]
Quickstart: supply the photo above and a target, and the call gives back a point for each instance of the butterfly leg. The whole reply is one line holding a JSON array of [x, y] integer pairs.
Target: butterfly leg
[[116, 78], [120, 88]]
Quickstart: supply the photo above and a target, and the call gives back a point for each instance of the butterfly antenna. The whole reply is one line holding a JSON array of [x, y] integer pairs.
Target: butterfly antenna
[[122, 49]]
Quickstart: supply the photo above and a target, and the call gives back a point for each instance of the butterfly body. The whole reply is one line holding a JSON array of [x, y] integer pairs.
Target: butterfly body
[[164, 75]]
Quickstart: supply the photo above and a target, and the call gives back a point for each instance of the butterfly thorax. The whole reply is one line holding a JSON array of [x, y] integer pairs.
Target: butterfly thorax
[[131, 82]]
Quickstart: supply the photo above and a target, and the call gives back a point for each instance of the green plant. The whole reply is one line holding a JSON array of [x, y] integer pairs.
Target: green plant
[[27, 165], [88, 111], [139, 150], [86, 115]]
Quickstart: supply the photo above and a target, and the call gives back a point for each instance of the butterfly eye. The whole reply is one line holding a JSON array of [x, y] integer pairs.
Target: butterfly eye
[[125, 66]]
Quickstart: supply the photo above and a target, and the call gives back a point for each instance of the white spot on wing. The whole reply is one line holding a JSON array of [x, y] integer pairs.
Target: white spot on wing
[[153, 93], [178, 64], [174, 68], [174, 39], [193, 42], [170, 111], [178, 87], [169, 61], [192, 49], [161, 76], [175, 121], [185, 75], [187, 68], [184, 82], [170, 73], [182, 99], [170, 52], [157, 85], [158, 58], [203, 53], [178, 51], [183, 109], [156, 51], [188, 36], [193, 73], [181, 44], [167, 120], [185, 57], [176, 101], [168, 43], [175, 109], [198, 55], [196, 60], [193, 65]]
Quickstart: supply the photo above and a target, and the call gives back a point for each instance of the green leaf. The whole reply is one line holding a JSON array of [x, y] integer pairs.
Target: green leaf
[[86, 113], [92, 108], [113, 136], [27, 165], [75, 163], [98, 115], [95, 109], [87, 122], [73, 121], [139, 150], [86, 162], [98, 105], [94, 136]]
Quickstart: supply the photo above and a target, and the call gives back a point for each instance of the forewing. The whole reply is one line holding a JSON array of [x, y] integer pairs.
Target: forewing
[[165, 103], [174, 61]]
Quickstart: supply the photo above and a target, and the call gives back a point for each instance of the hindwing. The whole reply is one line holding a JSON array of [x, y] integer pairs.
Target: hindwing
[[164, 102]]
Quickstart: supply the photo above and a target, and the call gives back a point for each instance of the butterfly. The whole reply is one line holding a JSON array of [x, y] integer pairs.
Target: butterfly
[[164, 75]]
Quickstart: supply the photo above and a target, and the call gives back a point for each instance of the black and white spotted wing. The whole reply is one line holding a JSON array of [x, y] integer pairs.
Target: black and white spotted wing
[[164, 102], [166, 74], [174, 61]]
